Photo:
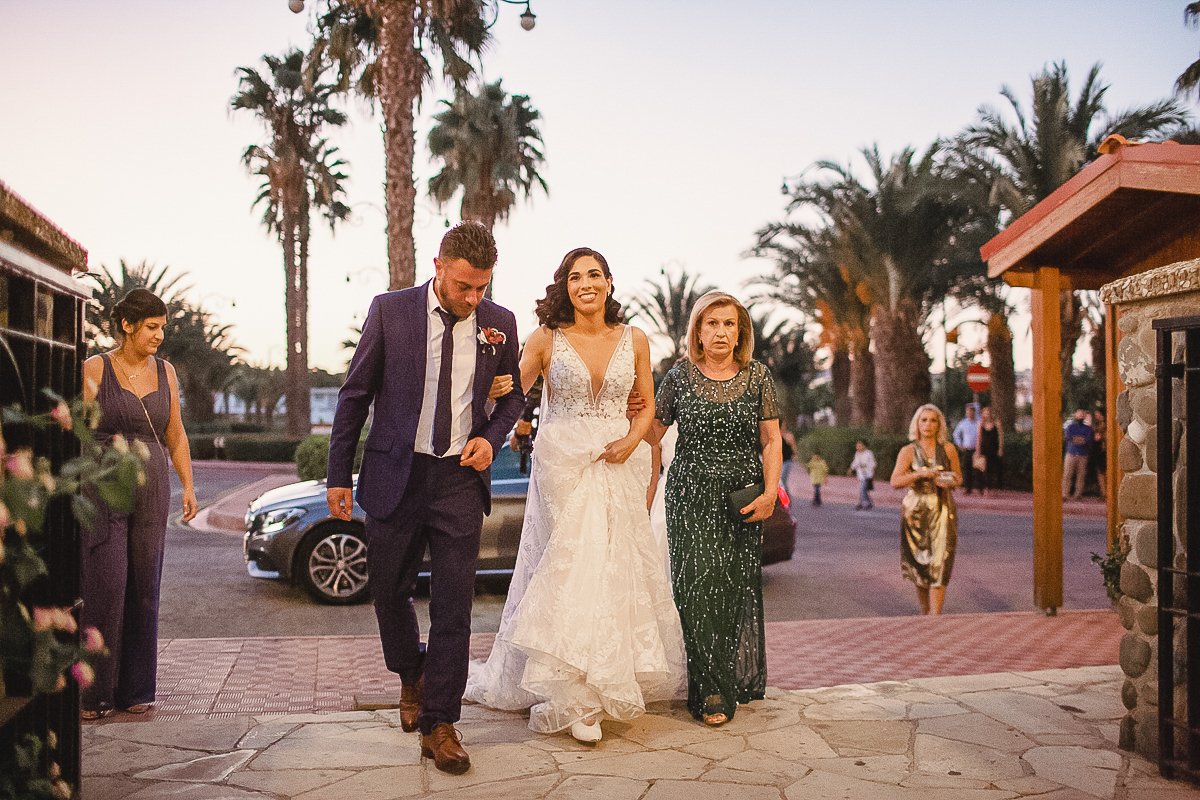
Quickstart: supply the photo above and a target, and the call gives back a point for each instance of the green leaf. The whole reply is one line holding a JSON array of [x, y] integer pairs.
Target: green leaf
[[84, 510]]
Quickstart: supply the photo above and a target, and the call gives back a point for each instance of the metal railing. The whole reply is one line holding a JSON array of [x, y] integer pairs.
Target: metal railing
[[1177, 377]]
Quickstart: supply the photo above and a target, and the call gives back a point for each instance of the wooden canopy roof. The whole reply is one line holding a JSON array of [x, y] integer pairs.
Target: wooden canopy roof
[[1134, 208]]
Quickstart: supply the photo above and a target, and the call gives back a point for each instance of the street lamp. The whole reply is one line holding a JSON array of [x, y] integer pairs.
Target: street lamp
[[528, 18]]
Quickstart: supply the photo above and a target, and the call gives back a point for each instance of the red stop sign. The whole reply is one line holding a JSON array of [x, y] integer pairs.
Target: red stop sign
[[978, 378]]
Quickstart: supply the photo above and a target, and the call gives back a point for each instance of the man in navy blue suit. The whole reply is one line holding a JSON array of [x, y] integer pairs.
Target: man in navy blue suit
[[426, 359]]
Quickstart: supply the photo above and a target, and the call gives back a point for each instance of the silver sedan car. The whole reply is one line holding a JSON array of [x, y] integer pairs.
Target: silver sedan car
[[290, 536]]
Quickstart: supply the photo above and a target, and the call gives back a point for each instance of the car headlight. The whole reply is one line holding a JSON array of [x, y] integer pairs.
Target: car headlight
[[280, 518]]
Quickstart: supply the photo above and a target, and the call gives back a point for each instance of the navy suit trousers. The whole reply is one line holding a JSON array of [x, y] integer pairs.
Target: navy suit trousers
[[442, 511]]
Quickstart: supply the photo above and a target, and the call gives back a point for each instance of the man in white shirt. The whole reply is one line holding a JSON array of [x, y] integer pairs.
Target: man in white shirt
[[863, 466], [966, 438]]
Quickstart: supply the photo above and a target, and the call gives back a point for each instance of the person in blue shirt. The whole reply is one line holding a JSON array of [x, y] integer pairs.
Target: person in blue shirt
[[966, 437], [1077, 443]]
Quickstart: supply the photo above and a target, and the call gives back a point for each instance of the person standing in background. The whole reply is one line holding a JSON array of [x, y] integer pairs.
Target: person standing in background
[[966, 438], [989, 452], [863, 466], [1077, 439], [1098, 458], [818, 471], [788, 443]]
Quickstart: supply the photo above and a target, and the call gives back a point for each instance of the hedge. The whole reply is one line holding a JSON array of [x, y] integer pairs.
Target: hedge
[[836, 446], [245, 446], [312, 456]]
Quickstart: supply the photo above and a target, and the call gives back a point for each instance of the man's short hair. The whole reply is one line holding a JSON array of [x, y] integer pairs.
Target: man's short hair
[[471, 242]]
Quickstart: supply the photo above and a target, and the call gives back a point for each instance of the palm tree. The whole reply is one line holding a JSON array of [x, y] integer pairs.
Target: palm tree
[[1040, 151], [666, 305], [381, 49], [808, 279], [300, 172], [782, 347], [1190, 79], [899, 238], [490, 148]]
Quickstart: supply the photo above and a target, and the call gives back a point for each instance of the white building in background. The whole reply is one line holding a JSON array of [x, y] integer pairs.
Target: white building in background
[[322, 403]]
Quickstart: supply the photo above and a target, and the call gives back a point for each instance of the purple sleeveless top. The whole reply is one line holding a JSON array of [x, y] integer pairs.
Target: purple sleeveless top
[[121, 412]]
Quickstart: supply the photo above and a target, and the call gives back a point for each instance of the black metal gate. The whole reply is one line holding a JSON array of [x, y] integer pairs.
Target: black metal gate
[[1177, 376], [41, 346]]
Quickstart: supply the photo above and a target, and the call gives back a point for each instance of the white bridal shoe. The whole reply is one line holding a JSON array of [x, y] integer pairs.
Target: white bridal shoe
[[586, 732]]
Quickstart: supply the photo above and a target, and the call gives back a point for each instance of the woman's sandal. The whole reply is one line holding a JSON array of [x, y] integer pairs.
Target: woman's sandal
[[714, 718], [90, 715], [138, 708]]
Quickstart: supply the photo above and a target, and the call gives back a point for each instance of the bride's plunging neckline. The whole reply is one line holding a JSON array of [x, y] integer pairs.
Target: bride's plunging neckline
[[594, 392]]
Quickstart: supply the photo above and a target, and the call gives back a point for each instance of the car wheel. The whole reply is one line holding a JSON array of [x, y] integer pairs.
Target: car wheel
[[332, 564]]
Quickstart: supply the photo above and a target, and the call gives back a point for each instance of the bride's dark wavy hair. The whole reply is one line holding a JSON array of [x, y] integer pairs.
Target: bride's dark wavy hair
[[555, 308]]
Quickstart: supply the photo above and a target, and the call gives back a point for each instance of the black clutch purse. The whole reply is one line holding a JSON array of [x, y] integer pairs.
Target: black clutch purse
[[740, 498]]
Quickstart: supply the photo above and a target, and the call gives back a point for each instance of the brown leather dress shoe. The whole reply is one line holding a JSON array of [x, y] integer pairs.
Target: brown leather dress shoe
[[410, 705], [442, 745]]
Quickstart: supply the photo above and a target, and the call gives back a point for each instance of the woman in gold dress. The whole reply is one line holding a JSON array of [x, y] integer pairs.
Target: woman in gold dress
[[929, 469]]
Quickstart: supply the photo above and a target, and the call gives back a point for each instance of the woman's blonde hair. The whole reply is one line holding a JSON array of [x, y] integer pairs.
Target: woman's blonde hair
[[914, 434], [744, 350]]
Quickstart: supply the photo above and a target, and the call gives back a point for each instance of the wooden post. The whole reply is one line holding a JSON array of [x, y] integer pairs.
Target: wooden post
[[1047, 441], [1112, 433]]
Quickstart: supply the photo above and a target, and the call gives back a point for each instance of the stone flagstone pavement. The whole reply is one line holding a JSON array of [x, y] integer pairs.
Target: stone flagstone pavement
[[1047, 734]]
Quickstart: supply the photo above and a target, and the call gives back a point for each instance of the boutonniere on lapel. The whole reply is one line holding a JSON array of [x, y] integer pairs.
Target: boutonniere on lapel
[[489, 338]]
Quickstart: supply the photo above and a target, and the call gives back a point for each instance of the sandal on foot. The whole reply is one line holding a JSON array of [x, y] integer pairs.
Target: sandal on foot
[[91, 715], [138, 708], [713, 714]]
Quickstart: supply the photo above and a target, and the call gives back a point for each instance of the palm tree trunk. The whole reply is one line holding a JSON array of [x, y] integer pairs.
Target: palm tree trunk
[[839, 382], [300, 422], [1004, 381], [1099, 352], [862, 383], [1071, 330], [902, 382], [399, 87], [295, 386]]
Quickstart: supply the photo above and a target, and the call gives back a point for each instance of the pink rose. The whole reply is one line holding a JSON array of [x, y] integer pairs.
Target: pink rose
[[93, 640], [48, 618], [120, 444], [83, 674], [20, 465], [62, 415]]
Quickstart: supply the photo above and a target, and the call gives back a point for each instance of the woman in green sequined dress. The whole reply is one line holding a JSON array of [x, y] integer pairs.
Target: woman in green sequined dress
[[725, 406], [929, 469]]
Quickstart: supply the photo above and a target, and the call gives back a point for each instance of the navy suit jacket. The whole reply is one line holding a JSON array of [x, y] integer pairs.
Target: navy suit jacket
[[388, 369]]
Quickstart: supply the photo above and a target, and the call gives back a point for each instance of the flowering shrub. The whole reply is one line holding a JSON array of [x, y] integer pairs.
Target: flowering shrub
[[39, 646]]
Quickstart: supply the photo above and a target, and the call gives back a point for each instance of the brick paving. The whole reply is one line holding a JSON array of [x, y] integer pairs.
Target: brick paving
[[229, 677]]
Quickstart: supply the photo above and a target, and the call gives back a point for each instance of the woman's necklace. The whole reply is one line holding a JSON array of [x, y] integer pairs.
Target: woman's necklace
[[129, 376], [929, 452]]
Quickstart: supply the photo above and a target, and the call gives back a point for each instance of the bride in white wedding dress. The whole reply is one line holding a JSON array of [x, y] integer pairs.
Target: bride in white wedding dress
[[589, 630]]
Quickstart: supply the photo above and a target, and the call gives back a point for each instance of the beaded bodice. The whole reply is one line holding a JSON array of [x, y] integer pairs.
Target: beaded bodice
[[571, 385]]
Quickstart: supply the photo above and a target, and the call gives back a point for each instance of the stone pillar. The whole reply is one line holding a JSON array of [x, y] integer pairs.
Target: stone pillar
[[1170, 291]]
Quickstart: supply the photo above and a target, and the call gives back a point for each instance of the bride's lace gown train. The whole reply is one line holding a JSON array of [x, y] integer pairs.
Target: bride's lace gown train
[[590, 623]]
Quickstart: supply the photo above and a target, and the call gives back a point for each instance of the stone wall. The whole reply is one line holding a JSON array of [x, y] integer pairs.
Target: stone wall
[[1170, 291]]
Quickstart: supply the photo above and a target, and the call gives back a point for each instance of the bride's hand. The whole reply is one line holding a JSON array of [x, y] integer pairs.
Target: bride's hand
[[618, 452], [501, 385]]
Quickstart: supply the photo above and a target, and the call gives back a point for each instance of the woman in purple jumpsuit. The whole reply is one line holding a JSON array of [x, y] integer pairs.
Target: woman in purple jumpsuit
[[123, 551]]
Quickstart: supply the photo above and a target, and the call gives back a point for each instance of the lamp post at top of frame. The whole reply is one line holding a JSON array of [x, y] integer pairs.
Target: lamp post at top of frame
[[528, 18]]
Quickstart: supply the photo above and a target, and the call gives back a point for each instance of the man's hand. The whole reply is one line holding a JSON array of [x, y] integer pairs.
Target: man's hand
[[341, 501], [501, 385], [477, 454]]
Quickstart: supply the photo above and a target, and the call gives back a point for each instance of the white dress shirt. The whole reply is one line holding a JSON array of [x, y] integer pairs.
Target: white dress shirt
[[462, 379], [966, 434]]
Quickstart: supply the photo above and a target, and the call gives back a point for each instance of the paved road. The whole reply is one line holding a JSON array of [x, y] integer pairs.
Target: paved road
[[846, 565]]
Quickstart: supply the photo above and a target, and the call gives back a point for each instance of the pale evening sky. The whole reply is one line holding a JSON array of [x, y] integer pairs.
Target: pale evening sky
[[668, 128]]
